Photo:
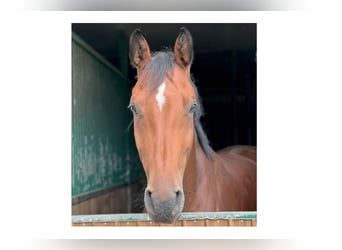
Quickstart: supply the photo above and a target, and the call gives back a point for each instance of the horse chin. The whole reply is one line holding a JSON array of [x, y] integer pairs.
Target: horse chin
[[165, 218], [164, 211]]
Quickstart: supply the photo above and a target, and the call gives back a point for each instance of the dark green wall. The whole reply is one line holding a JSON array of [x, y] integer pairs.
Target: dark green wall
[[103, 151]]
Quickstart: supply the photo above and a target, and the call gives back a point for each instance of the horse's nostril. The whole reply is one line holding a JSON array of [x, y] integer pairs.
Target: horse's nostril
[[180, 196], [177, 193], [149, 193]]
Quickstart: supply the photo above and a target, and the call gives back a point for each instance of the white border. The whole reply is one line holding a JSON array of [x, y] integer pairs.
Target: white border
[[298, 87]]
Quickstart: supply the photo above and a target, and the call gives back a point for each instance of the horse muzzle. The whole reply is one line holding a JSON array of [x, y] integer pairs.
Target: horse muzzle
[[164, 210]]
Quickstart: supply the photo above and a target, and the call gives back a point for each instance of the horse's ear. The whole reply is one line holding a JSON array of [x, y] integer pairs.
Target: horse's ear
[[139, 51], [183, 50]]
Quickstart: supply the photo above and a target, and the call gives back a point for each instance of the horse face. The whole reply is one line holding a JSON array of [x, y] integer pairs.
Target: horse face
[[163, 122]]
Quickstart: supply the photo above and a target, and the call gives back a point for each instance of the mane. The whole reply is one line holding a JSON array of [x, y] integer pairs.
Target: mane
[[202, 137], [154, 73]]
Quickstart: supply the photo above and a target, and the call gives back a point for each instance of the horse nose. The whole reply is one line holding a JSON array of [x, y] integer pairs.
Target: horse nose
[[164, 209]]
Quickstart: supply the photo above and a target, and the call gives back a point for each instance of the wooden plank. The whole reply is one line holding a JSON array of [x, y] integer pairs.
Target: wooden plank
[[104, 224], [232, 223], [84, 224], [215, 223], [145, 223], [108, 202], [125, 223], [235, 219], [248, 223], [184, 223], [241, 223], [193, 223]]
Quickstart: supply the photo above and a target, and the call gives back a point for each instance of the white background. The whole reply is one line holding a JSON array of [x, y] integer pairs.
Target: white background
[[299, 126]]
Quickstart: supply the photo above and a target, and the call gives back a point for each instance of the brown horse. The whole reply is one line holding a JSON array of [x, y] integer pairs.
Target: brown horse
[[183, 172]]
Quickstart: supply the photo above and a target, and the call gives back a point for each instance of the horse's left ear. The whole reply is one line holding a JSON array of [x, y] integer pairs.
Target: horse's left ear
[[183, 49]]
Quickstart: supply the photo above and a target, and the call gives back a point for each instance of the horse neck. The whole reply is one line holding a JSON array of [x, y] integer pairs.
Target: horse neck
[[197, 174]]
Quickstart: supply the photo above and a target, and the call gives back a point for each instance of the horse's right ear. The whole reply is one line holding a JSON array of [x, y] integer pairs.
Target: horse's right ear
[[139, 51]]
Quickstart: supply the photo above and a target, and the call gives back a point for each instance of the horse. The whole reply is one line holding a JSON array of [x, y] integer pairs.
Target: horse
[[183, 172]]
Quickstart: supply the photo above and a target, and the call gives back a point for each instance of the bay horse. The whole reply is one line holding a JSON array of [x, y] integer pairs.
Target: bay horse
[[183, 172]]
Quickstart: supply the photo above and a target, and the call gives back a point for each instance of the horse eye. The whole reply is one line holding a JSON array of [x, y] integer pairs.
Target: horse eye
[[193, 107], [133, 108]]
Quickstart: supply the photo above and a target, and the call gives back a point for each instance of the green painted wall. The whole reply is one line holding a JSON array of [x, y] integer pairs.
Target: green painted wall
[[103, 151]]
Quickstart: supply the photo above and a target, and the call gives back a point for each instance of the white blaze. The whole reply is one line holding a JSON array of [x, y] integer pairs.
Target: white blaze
[[160, 96]]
